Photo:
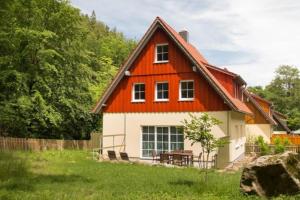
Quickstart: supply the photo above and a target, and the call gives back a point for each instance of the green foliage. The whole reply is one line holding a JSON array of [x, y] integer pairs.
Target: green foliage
[[198, 130], [284, 93], [280, 144], [54, 64], [263, 146]]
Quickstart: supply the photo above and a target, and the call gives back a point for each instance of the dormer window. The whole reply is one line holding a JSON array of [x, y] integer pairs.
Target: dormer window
[[162, 53]]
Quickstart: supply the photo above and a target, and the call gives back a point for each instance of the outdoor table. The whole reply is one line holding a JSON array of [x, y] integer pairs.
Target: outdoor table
[[188, 156]]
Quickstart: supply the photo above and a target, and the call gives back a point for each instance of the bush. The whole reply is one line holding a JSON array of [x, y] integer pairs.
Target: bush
[[280, 144], [264, 147]]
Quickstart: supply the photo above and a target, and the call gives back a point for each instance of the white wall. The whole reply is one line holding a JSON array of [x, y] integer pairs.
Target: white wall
[[131, 123], [255, 130], [237, 136]]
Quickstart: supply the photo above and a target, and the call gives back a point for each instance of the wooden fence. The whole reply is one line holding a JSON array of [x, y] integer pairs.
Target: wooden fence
[[30, 144], [253, 148], [295, 139]]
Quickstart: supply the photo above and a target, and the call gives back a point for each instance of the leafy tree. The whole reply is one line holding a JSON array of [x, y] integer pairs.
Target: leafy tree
[[54, 64], [198, 130], [284, 93]]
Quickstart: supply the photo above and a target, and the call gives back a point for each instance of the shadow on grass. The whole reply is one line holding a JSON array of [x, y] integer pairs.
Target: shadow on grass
[[183, 182]]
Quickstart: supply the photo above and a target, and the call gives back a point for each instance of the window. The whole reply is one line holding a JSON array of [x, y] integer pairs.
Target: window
[[186, 91], [176, 138], [161, 139], [138, 92], [162, 53], [148, 141], [162, 91]]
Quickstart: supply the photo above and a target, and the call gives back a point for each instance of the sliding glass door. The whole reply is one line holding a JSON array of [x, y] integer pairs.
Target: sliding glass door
[[161, 139]]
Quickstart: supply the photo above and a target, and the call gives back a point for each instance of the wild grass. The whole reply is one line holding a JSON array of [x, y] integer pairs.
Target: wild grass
[[74, 175]]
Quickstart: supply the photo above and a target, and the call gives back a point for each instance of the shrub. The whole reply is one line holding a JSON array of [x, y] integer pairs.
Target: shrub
[[264, 147], [280, 144]]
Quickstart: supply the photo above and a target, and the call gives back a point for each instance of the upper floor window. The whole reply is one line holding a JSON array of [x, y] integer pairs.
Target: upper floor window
[[162, 91], [186, 90], [162, 53], [138, 92]]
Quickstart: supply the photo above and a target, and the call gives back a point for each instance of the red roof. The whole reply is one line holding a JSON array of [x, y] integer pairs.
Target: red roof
[[194, 54]]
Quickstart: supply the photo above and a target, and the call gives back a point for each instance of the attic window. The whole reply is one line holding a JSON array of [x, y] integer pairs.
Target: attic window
[[162, 53]]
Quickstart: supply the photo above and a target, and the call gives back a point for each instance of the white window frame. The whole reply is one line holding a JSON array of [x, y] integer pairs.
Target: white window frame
[[161, 61], [133, 93], [186, 99], [155, 91], [155, 138]]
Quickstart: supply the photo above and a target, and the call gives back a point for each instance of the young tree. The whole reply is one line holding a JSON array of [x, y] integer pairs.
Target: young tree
[[198, 130]]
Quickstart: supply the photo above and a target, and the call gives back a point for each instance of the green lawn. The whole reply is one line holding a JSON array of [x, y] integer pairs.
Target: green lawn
[[74, 175]]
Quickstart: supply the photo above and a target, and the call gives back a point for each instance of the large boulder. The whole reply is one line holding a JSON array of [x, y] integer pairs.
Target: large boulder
[[272, 175]]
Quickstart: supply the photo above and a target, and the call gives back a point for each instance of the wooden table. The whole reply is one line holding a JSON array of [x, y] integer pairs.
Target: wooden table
[[189, 156]]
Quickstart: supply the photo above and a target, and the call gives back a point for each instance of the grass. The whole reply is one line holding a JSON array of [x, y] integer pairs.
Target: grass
[[74, 175]]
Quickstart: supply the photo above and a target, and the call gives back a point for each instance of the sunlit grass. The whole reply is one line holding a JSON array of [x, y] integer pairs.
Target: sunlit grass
[[74, 175]]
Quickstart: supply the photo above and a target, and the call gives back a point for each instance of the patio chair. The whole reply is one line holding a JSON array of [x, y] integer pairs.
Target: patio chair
[[124, 156], [154, 156], [111, 155], [179, 160], [164, 158]]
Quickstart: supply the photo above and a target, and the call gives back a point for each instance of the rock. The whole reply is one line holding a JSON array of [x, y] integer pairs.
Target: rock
[[272, 175]]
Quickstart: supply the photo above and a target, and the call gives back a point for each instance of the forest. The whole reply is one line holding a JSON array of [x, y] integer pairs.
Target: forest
[[55, 62]]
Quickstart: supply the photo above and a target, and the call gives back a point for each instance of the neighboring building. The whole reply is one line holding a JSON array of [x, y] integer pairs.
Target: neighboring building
[[281, 121], [163, 80], [264, 120]]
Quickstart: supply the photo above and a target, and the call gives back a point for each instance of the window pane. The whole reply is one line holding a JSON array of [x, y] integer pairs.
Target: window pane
[[151, 145], [183, 94], [165, 48], [145, 129], [145, 145], [165, 137], [159, 86], [145, 153], [142, 95], [165, 130], [159, 57], [165, 86], [165, 146], [165, 56], [142, 87], [151, 137], [173, 129], [180, 138], [190, 94], [180, 130], [166, 94], [191, 85], [159, 130], [159, 95], [145, 137], [183, 85], [173, 138], [151, 129], [159, 49]]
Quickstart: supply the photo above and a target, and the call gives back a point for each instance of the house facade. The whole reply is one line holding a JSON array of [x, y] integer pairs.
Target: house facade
[[264, 119], [164, 79]]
